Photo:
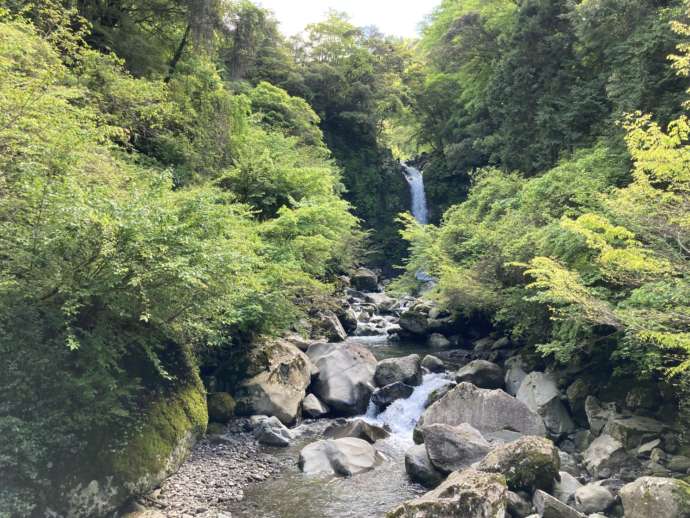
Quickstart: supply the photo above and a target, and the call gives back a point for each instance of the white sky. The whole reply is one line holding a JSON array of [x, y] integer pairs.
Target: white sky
[[396, 17]]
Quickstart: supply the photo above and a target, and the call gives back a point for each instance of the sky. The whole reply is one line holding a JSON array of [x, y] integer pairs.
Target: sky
[[396, 17]]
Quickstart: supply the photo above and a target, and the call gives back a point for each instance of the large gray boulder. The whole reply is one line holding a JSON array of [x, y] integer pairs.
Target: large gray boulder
[[468, 493], [346, 376], [539, 391], [407, 369], [633, 431], [357, 428], [437, 341], [515, 373], [486, 410], [365, 280], [550, 507], [329, 325], [415, 320], [451, 448], [482, 373], [433, 363], [593, 498], [271, 432], [604, 456], [419, 467], [529, 463], [279, 388], [656, 497], [345, 457], [384, 396]]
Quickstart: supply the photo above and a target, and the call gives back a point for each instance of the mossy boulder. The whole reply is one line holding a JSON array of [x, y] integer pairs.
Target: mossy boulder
[[656, 496], [221, 407], [529, 463]]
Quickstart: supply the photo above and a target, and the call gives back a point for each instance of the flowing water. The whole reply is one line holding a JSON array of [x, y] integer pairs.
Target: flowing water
[[416, 180]]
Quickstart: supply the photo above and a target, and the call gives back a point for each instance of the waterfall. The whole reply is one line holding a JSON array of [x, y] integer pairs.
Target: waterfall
[[416, 180]]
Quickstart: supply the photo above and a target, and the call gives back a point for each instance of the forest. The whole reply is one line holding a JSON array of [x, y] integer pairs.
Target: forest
[[181, 183]]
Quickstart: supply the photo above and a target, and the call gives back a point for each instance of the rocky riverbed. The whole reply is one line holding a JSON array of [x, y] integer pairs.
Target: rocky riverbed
[[422, 406]]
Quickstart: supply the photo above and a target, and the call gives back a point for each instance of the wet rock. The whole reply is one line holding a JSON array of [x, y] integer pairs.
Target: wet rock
[[593, 498], [271, 432], [357, 428], [564, 489], [451, 448], [345, 457], [468, 493], [419, 467], [407, 369], [604, 456], [515, 373], [313, 407], [539, 391], [656, 497], [330, 327], [550, 507], [221, 407], [529, 463], [518, 506], [346, 376], [437, 341], [486, 410], [365, 280], [598, 414], [384, 396], [433, 364], [279, 389], [481, 373]]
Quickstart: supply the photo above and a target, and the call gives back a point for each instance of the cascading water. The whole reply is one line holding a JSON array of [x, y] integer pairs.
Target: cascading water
[[416, 180]]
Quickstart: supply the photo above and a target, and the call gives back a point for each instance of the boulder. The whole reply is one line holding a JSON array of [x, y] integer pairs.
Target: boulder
[[644, 398], [604, 456], [415, 320], [345, 457], [357, 428], [483, 345], [539, 391], [437, 341], [330, 327], [407, 369], [656, 497], [451, 448], [468, 493], [481, 373], [515, 373], [221, 407], [598, 414], [486, 410], [593, 498], [634, 431], [313, 407], [348, 319], [271, 432], [438, 393], [365, 280], [679, 464], [577, 393], [346, 376], [382, 302], [384, 396], [529, 463], [419, 467], [564, 489], [518, 506], [433, 364], [550, 507], [279, 389]]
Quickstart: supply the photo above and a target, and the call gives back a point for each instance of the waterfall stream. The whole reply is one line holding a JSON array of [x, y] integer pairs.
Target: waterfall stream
[[416, 180]]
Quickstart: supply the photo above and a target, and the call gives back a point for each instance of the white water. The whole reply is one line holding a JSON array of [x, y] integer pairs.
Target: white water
[[402, 415], [416, 180]]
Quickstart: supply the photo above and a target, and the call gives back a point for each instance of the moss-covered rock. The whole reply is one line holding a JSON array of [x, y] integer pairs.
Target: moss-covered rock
[[656, 496], [221, 407]]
